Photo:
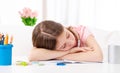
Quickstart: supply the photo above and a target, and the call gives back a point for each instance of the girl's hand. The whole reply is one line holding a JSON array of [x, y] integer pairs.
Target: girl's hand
[[76, 50], [80, 49]]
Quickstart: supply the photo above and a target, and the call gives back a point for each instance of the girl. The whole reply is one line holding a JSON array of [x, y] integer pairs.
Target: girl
[[53, 41]]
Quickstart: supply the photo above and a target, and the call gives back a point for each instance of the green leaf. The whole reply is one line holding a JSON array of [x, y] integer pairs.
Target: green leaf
[[29, 21]]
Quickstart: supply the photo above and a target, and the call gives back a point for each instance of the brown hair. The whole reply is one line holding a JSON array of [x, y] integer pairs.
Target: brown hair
[[45, 33]]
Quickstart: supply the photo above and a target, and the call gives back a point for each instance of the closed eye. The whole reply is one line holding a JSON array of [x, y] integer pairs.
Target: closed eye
[[68, 35]]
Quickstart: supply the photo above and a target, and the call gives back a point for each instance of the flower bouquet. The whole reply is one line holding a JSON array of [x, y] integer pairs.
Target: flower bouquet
[[28, 16]]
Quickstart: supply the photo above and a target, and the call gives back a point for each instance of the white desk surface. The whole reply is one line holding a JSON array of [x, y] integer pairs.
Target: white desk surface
[[69, 68]]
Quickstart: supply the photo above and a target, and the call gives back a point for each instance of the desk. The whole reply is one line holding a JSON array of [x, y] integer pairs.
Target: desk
[[69, 68]]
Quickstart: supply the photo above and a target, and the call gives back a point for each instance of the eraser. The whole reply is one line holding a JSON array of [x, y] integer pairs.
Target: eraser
[[61, 64]]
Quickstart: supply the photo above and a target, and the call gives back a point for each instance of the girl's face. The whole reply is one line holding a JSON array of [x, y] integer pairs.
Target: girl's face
[[66, 40]]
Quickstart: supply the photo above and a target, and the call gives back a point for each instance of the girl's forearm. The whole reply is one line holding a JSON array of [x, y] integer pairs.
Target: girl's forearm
[[89, 56], [43, 54]]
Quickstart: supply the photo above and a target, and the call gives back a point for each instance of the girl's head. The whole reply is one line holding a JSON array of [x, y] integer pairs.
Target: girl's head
[[53, 36], [45, 34]]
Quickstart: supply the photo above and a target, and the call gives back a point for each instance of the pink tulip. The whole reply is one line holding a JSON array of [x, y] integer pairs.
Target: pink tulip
[[27, 12], [34, 14], [28, 16]]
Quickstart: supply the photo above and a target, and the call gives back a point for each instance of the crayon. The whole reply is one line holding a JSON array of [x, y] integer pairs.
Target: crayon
[[6, 40], [11, 39], [0, 36], [60, 64], [1, 39]]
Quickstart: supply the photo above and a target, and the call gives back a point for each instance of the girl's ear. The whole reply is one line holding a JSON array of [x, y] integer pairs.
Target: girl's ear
[[69, 28]]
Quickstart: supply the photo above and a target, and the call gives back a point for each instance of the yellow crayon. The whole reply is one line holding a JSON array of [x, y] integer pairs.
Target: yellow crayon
[[6, 40]]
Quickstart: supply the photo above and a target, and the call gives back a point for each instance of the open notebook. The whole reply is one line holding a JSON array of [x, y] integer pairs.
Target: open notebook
[[62, 62]]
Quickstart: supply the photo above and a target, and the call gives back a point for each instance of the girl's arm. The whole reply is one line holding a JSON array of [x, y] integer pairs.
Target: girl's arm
[[95, 55], [44, 54]]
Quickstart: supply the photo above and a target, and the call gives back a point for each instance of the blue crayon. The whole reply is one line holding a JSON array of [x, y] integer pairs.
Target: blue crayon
[[60, 64]]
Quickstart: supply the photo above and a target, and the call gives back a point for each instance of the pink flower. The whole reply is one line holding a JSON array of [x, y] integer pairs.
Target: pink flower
[[27, 12], [34, 14], [28, 16]]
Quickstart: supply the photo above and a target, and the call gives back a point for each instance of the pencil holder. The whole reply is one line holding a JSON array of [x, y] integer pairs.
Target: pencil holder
[[6, 54]]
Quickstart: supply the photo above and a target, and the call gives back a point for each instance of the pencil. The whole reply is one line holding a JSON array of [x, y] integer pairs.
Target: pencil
[[11, 39], [6, 40]]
